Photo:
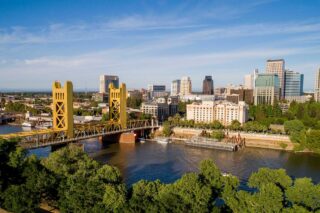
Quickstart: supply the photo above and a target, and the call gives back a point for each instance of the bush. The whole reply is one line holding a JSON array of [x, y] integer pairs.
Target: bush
[[217, 134]]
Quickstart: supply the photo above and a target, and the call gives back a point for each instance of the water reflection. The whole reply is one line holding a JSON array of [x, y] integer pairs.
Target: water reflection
[[168, 162], [153, 161]]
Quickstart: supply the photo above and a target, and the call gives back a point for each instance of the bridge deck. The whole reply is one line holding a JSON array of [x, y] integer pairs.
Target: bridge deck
[[42, 138]]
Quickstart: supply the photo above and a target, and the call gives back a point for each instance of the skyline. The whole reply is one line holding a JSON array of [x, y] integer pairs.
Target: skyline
[[155, 41]]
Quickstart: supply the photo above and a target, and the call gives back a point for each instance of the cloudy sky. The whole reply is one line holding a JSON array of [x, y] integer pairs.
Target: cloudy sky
[[153, 41]]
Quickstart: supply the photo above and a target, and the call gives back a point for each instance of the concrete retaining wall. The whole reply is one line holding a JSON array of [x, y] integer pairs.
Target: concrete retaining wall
[[280, 142]]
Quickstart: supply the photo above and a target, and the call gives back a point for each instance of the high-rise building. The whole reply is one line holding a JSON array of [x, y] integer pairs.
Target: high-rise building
[[175, 87], [248, 81], [207, 87], [277, 67], [266, 89], [156, 91], [317, 87], [245, 95], [293, 84], [185, 86], [105, 80]]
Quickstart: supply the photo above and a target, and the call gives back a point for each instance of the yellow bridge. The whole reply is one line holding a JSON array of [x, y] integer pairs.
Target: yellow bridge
[[64, 131]]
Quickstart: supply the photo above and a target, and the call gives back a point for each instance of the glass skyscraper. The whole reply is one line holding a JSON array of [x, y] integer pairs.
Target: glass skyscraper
[[293, 84], [266, 89]]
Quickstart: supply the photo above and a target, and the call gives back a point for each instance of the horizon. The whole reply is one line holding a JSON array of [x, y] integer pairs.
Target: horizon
[[155, 42]]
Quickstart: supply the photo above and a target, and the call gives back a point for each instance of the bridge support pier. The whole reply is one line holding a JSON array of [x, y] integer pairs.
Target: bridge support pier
[[128, 137]]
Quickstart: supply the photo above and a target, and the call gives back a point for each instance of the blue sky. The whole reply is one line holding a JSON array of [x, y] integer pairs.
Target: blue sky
[[153, 41]]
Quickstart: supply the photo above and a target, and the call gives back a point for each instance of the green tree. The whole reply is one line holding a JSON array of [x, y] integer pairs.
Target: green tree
[[105, 117], [18, 198], [304, 194], [313, 140], [266, 175], [235, 125], [2, 103], [217, 134], [254, 126], [295, 129], [182, 107], [144, 116], [144, 196], [166, 129], [216, 125], [134, 101]]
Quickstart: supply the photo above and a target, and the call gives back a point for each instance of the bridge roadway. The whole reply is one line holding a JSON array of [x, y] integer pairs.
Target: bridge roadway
[[48, 137]]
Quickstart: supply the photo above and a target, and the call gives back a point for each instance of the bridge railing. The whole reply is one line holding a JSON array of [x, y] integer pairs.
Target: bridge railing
[[38, 138]]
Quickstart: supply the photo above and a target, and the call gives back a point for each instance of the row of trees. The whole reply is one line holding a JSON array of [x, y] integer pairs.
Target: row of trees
[[251, 126], [301, 121], [18, 107], [308, 113], [72, 182]]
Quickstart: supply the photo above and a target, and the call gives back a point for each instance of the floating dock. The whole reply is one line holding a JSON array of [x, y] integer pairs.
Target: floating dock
[[212, 144]]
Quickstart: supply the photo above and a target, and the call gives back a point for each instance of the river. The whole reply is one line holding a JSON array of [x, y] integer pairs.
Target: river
[[153, 161]]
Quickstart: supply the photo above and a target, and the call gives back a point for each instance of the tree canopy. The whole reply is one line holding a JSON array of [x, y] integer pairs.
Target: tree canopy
[[73, 182]]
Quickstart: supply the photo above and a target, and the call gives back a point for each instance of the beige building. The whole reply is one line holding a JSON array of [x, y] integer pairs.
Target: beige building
[[248, 81], [223, 111], [277, 67], [185, 86], [201, 112], [317, 87]]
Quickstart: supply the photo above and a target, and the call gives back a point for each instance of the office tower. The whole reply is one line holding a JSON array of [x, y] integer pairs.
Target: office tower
[[105, 80], [248, 81], [293, 84], [255, 75], [266, 89], [207, 86], [185, 86], [317, 87], [175, 87], [277, 67], [156, 91]]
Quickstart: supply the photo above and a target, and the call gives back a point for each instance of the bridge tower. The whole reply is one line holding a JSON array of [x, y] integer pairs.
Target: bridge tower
[[118, 104], [62, 110]]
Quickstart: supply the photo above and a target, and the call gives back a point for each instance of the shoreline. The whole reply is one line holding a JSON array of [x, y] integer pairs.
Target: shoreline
[[254, 140]]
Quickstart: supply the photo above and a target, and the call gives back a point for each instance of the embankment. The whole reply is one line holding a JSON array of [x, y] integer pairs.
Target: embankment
[[258, 140]]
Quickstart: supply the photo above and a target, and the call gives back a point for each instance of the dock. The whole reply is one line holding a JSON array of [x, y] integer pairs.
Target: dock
[[212, 144]]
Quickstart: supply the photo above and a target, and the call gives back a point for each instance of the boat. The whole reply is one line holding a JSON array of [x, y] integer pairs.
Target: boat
[[27, 124], [162, 140], [43, 126], [142, 140]]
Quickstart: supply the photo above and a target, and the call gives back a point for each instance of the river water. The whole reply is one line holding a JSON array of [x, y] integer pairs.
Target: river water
[[153, 161]]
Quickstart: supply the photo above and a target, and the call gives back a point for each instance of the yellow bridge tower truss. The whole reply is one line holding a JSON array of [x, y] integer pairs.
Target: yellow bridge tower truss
[[118, 105], [62, 110]]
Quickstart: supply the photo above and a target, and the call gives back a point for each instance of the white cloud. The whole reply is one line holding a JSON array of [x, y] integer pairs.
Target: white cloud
[[143, 68]]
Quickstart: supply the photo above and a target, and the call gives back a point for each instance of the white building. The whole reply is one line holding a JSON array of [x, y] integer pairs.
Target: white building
[[248, 81], [201, 112], [185, 86], [317, 87], [197, 97], [224, 112], [175, 87]]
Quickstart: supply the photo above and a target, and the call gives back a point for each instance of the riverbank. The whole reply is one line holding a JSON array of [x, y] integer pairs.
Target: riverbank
[[255, 140]]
